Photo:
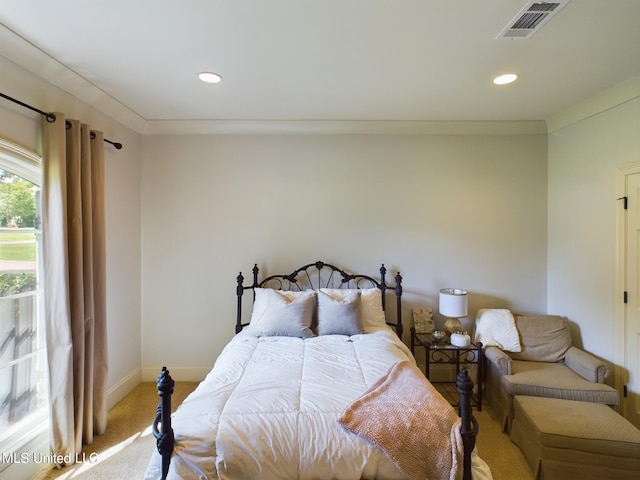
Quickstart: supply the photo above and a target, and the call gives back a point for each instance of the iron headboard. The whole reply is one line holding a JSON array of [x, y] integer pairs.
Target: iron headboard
[[322, 275]]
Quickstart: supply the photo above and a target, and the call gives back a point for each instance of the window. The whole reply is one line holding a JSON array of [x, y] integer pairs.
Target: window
[[23, 385]]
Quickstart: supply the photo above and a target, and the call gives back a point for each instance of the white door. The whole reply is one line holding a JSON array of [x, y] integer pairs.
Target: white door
[[631, 331]]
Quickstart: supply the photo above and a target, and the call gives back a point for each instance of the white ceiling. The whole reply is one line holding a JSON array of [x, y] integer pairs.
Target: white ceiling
[[338, 60]]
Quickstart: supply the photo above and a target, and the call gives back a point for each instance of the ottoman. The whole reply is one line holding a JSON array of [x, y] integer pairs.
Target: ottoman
[[567, 439]]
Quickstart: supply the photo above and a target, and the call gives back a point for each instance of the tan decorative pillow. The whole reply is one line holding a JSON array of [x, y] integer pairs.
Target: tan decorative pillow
[[544, 338]]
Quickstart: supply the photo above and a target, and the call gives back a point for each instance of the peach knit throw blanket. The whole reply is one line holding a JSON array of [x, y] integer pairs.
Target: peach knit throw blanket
[[404, 415]]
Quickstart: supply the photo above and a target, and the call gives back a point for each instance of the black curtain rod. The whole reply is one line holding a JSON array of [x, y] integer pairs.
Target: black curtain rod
[[52, 118]]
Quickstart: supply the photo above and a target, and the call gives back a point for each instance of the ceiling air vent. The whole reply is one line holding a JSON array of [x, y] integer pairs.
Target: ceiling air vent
[[531, 18]]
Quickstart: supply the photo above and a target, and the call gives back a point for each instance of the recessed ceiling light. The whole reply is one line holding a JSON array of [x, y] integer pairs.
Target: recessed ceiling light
[[506, 78], [209, 77]]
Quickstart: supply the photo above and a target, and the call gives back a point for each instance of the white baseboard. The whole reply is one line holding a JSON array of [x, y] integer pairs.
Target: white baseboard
[[184, 374], [123, 387]]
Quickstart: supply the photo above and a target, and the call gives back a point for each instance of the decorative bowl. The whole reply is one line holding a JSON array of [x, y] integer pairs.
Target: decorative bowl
[[439, 335]]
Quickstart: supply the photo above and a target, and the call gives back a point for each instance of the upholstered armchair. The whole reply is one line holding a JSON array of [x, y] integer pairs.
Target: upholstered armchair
[[537, 360]]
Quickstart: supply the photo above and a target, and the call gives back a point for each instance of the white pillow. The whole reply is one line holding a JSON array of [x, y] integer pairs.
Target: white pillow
[[280, 313], [497, 327], [372, 314], [339, 316]]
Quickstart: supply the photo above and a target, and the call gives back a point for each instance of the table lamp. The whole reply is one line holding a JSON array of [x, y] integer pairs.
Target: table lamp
[[453, 305]]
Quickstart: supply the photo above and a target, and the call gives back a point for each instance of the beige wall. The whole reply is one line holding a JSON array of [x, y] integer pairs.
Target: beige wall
[[186, 213], [583, 158], [122, 190], [464, 211]]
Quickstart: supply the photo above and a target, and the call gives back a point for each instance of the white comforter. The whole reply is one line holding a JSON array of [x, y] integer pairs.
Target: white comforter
[[269, 409]]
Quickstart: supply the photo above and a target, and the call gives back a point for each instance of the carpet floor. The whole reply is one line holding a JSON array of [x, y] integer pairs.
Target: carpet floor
[[124, 451]]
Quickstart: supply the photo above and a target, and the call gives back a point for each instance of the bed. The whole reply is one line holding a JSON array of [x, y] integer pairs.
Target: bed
[[316, 384]]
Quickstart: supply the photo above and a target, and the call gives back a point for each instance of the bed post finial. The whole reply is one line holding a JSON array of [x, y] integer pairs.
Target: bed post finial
[[239, 291], [383, 284], [399, 327], [255, 274], [469, 428], [164, 437], [240, 282]]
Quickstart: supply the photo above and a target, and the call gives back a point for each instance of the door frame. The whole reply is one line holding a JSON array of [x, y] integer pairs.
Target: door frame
[[620, 344]]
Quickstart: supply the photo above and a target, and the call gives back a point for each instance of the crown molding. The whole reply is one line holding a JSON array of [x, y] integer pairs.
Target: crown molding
[[337, 127], [30, 58], [610, 98]]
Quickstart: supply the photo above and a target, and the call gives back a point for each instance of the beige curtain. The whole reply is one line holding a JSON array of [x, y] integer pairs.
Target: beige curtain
[[74, 276]]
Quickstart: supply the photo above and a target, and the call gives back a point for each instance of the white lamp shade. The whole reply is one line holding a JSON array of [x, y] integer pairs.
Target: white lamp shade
[[453, 302]]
